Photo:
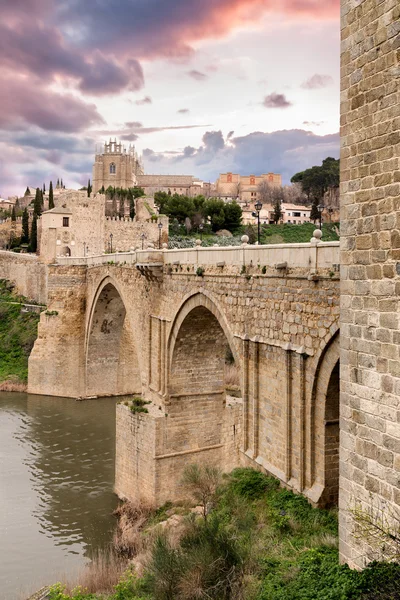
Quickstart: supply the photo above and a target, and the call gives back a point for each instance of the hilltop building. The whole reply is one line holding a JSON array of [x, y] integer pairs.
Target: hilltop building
[[185, 185], [244, 188], [78, 227], [116, 166], [293, 214]]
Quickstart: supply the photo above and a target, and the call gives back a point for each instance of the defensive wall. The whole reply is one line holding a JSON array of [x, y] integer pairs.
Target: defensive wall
[[159, 323], [370, 237], [27, 273]]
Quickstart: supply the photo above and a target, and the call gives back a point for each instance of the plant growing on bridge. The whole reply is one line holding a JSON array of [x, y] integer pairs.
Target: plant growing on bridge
[[200, 271], [138, 405]]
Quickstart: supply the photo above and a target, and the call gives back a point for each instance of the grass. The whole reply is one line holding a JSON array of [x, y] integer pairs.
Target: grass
[[18, 332], [292, 234], [270, 234], [256, 542]]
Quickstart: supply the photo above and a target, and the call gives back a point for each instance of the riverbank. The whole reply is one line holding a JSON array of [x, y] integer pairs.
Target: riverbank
[[12, 386], [243, 538], [18, 332]]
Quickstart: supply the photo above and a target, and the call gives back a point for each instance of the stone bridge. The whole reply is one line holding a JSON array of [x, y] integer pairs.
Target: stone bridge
[[164, 324]]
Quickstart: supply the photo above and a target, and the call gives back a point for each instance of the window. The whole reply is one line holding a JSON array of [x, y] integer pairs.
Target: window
[[112, 168], [297, 214], [229, 178], [252, 181], [65, 221]]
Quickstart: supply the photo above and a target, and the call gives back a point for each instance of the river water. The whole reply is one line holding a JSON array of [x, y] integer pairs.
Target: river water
[[56, 488]]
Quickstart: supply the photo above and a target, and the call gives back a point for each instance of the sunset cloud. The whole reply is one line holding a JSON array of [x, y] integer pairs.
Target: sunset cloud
[[143, 101], [23, 102], [197, 75], [317, 81], [285, 152], [275, 100]]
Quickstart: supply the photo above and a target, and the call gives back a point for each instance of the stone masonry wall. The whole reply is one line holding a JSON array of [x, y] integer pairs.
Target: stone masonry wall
[[27, 273], [278, 326], [370, 258]]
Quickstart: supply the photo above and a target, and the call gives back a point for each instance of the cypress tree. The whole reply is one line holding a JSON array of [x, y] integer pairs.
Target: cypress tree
[[27, 191], [61, 184], [58, 183], [314, 214], [44, 188], [277, 214], [37, 203], [51, 197], [33, 244], [25, 227], [13, 215], [89, 188]]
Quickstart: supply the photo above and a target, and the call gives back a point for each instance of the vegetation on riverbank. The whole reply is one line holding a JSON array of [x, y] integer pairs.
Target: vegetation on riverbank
[[18, 332], [248, 540]]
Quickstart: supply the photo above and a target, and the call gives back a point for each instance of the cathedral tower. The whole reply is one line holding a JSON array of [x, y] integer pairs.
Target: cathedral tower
[[116, 166]]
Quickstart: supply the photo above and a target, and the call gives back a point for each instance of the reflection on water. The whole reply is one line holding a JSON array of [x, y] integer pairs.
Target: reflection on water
[[56, 487]]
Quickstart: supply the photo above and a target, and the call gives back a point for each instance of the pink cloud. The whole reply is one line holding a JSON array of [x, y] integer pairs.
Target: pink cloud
[[26, 101]]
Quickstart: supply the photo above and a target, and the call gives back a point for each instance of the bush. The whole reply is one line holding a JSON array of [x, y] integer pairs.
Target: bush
[[250, 483]]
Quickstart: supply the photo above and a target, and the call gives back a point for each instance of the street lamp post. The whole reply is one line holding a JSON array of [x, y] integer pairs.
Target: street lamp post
[[320, 208], [258, 207], [201, 227], [160, 226], [111, 239]]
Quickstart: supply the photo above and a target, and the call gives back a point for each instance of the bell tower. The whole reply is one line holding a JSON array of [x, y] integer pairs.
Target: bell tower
[[116, 165]]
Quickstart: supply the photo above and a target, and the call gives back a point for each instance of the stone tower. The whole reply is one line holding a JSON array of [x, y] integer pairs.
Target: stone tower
[[370, 277], [116, 166]]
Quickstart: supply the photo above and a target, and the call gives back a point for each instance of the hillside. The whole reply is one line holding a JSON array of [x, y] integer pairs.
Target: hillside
[[18, 332], [246, 539]]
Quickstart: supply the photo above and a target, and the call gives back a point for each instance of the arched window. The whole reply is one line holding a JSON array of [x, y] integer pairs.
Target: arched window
[[112, 168]]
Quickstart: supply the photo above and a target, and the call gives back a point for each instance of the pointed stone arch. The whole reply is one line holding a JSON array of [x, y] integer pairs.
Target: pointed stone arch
[[324, 425], [201, 425], [111, 360]]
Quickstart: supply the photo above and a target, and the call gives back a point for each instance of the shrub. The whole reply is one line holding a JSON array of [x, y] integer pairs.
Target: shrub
[[250, 483], [138, 405], [200, 271]]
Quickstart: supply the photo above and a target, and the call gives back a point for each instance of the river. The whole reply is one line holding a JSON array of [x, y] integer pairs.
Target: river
[[56, 488]]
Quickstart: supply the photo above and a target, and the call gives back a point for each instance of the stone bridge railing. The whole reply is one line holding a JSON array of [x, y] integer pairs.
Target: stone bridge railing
[[313, 256]]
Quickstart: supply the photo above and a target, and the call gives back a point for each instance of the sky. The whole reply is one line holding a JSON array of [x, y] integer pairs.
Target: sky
[[201, 87]]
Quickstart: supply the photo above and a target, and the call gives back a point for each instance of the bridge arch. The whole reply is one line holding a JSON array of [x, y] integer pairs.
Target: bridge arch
[[200, 333], [324, 424], [111, 360], [200, 420]]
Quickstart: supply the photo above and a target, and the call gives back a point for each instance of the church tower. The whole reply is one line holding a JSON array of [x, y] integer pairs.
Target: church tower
[[116, 166]]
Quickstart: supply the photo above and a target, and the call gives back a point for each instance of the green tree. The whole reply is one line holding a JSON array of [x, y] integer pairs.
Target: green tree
[[213, 208], [89, 188], [37, 203], [25, 227], [179, 207], [277, 214], [61, 184], [44, 188], [314, 214], [233, 216], [13, 215], [33, 236], [51, 196], [27, 191], [316, 181], [161, 200]]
